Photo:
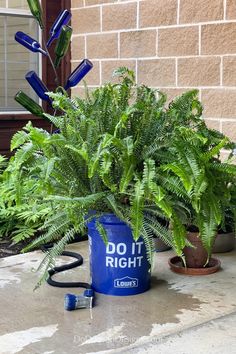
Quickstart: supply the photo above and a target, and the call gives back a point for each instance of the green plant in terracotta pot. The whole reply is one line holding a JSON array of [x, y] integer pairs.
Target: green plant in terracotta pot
[[225, 239], [202, 185]]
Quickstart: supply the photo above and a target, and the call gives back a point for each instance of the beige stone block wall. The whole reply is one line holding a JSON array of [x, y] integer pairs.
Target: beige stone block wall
[[173, 45]]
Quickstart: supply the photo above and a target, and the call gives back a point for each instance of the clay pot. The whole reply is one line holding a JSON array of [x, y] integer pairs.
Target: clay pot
[[176, 265], [195, 257], [160, 246], [224, 242]]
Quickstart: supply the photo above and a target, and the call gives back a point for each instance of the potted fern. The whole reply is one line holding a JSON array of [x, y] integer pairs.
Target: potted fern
[[123, 162], [225, 239], [102, 175], [101, 160], [203, 184], [107, 167]]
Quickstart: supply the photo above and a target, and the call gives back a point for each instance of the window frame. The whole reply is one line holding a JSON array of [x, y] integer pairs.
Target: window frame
[[10, 123], [45, 70], [10, 12]]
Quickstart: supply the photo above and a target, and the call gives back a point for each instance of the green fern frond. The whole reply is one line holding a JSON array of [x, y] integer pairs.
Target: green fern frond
[[149, 173], [149, 243], [53, 234], [216, 149], [179, 170], [102, 231], [179, 235], [18, 139], [157, 229], [24, 232], [49, 260], [127, 176], [136, 211]]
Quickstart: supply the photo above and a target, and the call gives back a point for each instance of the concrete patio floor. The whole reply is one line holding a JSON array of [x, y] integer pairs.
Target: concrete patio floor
[[180, 314]]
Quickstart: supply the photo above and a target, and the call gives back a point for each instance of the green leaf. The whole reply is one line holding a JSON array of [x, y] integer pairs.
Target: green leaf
[[165, 207], [84, 201], [102, 231], [179, 235], [215, 150], [136, 212], [180, 171], [82, 152], [159, 194], [127, 176], [18, 139], [149, 173]]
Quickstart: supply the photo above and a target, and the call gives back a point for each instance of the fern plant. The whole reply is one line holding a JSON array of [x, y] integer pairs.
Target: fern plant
[[119, 150], [201, 181], [101, 160], [23, 187], [105, 158]]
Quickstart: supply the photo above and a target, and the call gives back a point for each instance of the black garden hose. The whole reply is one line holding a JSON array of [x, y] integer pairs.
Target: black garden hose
[[62, 268]]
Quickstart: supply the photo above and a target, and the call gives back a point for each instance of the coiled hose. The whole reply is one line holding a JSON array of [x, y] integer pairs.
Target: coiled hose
[[64, 267]]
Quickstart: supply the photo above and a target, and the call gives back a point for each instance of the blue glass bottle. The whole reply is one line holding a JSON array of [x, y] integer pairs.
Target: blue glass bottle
[[37, 85], [63, 18], [79, 73], [28, 42]]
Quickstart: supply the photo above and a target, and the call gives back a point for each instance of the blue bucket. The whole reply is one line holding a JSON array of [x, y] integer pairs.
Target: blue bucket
[[121, 268]]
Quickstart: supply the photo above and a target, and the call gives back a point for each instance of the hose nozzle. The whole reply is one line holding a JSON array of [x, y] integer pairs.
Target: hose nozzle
[[85, 301]]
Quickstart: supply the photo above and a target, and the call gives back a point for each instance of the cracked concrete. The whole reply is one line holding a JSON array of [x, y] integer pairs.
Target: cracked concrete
[[178, 313]]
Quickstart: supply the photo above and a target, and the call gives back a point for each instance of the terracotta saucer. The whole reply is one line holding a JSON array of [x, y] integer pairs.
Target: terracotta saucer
[[176, 265]]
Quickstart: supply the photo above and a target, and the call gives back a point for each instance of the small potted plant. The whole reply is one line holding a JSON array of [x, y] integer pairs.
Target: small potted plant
[[225, 238], [203, 186]]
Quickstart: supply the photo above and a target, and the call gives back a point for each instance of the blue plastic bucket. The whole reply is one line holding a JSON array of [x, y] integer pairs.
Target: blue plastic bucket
[[121, 268]]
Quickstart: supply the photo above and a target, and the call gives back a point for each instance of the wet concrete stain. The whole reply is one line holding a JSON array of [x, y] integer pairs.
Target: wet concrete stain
[[126, 318], [10, 265], [84, 331], [15, 342], [137, 314]]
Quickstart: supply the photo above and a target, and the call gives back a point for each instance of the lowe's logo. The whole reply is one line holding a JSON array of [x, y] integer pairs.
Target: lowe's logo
[[126, 282]]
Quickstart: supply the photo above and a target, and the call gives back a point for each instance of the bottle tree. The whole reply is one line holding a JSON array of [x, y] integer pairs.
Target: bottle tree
[[61, 32]]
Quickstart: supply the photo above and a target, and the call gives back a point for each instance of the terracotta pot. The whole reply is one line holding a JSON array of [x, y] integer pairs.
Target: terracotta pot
[[224, 242], [160, 246], [176, 265], [195, 257]]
